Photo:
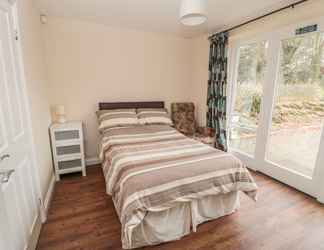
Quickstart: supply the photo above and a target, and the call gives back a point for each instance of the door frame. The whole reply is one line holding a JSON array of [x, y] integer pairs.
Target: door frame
[[12, 6], [250, 160], [259, 162]]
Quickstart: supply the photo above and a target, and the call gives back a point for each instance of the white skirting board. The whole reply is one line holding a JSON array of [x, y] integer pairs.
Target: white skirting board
[[33, 239], [92, 161], [49, 193], [48, 198], [42, 216]]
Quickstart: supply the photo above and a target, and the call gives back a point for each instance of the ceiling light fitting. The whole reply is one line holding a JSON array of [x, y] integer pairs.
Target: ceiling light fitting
[[193, 12]]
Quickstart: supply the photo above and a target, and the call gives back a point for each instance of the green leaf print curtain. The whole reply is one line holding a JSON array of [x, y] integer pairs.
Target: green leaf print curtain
[[217, 82]]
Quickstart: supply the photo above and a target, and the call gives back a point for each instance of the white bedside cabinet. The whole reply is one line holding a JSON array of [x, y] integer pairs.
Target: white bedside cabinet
[[67, 148]]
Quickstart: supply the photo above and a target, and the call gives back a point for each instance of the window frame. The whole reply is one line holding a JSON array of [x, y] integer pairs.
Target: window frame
[[259, 161]]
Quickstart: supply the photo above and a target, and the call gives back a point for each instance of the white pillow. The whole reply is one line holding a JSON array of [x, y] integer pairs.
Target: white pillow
[[116, 118], [154, 116]]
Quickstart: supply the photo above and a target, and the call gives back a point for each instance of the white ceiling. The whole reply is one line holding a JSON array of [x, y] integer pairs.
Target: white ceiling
[[158, 15]]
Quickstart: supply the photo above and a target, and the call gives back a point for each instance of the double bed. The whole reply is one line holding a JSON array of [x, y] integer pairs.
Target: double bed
[[164, 184]]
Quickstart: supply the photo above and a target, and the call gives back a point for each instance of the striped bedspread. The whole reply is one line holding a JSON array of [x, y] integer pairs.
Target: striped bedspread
[[152, 167]]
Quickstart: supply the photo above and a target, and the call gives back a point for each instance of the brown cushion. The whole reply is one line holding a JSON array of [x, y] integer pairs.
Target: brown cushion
[[183, 117]]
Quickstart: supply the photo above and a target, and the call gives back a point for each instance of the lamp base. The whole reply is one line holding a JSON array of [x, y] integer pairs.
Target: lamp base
[[61, 119]]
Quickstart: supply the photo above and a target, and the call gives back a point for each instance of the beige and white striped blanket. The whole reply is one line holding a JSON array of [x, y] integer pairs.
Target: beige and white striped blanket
[[152, 167]]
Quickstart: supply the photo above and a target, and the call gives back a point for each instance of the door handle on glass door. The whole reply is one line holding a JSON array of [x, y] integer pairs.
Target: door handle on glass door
[[3, 157], [5, 175]]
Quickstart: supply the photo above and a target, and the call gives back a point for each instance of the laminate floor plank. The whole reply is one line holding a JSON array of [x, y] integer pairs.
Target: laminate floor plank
[[82, 217]]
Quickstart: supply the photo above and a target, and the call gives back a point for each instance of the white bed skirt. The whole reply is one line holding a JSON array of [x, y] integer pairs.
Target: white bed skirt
[[176, 222]]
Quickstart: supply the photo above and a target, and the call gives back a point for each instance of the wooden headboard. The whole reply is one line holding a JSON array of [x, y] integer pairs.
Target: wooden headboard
[[127, 105]]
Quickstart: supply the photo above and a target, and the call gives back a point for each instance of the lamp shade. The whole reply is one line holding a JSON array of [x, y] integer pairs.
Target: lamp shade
[[193, 12], [59, 110]]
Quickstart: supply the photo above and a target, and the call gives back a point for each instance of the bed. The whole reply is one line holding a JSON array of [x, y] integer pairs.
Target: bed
[[164, 184]]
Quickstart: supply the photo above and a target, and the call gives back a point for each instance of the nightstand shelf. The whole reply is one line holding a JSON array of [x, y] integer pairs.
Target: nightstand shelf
[[67, 148]]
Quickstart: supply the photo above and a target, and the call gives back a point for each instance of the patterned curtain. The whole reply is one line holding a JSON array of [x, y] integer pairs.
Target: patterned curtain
[[217, 81]]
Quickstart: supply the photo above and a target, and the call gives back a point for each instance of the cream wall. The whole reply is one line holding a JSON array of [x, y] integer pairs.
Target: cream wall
[[35, 73], [88, 63], [200, 53], [200, 48]]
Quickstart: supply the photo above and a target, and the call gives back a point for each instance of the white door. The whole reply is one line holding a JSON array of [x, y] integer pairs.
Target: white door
[[277, 113], [18, 199]]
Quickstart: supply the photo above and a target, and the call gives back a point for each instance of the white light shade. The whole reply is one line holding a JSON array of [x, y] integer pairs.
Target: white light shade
[[59, 110], [60, 113], [193, 12]]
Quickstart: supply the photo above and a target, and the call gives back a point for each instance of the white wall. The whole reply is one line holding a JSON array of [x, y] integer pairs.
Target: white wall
[[88, 63], [33, 56]]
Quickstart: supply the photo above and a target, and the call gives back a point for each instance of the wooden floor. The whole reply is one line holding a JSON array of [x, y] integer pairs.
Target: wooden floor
[[82, 216]]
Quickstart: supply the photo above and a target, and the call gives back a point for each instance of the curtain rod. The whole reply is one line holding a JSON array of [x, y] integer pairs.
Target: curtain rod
[[260, 17]]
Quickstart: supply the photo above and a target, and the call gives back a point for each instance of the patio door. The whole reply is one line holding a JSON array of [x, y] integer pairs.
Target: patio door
[[277, 106]]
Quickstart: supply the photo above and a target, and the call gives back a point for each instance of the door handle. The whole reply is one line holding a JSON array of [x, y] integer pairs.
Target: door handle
[[5, 175], [3, 157]]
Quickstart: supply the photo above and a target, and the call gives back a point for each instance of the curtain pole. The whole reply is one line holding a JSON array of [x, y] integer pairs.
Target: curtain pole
[[261, 17]]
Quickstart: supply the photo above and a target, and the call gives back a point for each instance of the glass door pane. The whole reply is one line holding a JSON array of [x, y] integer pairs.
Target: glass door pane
[[299, 105], [248, 94]]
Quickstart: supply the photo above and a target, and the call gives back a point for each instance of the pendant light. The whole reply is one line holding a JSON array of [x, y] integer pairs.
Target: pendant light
[[193, 12]]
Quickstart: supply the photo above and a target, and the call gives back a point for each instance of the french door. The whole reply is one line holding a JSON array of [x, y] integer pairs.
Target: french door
[[277, 105], [18, 190]]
